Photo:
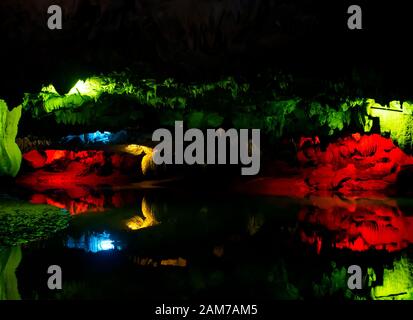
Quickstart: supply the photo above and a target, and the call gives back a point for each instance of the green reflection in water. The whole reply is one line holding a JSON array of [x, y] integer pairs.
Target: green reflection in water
[[22, 222], [9, 261]]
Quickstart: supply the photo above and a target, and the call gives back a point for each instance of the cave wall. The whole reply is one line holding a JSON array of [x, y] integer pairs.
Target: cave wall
[[189, 38], [10, 154]]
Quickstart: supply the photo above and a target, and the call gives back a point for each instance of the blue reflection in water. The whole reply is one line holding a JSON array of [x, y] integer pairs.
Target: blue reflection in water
[[106, 245], [93, 242]]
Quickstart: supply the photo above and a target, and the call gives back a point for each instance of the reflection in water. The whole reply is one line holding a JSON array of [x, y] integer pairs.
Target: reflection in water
[[149, 219], [218, 251], [84, 200], [93, 242], [254, 224], [362, 225], [145, 262], [355, 224], [180, 262], [243, 243], [396, 282], [9, 261], [83, 204], [149, 262]]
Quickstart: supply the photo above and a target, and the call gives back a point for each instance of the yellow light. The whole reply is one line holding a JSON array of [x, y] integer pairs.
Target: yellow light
[[180, 262], [149, 262], [138, 222], [147, 162], [92, 87]]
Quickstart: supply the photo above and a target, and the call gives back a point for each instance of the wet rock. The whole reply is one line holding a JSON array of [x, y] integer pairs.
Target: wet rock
[[354, 163], [10, 154], [68, 169], [35, 159]]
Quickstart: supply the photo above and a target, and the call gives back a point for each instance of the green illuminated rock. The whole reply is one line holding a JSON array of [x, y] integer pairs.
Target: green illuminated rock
[[121, 100], [397, 282], [9, 261], [10, 154], [395, 120]]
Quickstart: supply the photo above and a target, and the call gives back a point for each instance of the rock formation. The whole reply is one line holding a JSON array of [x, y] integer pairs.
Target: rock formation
[[10, 155]]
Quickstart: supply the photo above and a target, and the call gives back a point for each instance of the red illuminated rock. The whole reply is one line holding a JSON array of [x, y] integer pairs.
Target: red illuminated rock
[[35, 159], [355, 163], [63, 169]]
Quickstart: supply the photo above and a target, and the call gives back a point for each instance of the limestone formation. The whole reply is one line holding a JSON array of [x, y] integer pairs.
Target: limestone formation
[[10, 154]]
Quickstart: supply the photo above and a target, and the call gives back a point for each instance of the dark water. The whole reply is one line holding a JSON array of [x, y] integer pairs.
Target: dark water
[[164, 244]]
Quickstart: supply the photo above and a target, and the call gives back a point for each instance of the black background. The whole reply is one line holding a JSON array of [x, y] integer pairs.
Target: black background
[[305, 37]]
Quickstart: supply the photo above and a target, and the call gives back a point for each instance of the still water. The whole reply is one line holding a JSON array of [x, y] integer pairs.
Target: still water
[[166, 244]]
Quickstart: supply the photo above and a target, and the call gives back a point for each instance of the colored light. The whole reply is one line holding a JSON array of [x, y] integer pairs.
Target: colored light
[[147, 161], [397, 282], [92, 87], [10, 154], [180, 262], [99, 136], [354, 163], [10, 259], [106, 245], [395, 119], [149, 219], [93, 242], [355, 224]]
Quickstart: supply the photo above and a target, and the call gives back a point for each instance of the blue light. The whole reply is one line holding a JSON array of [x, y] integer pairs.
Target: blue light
[[97, 137], [92, 242], [106, 245]]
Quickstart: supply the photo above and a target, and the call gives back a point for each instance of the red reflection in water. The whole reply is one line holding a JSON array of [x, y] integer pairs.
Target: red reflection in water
[[355, 224], [74, 206], [71, 180], [354, 165], [285, 187], [90, 201]]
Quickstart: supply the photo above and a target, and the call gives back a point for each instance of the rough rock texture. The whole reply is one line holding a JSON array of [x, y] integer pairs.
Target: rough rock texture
[[30, 142], [64, 169], [10, 155], [395, 120], [354, 163], [364, 164], [397, 281], [172, 28]]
